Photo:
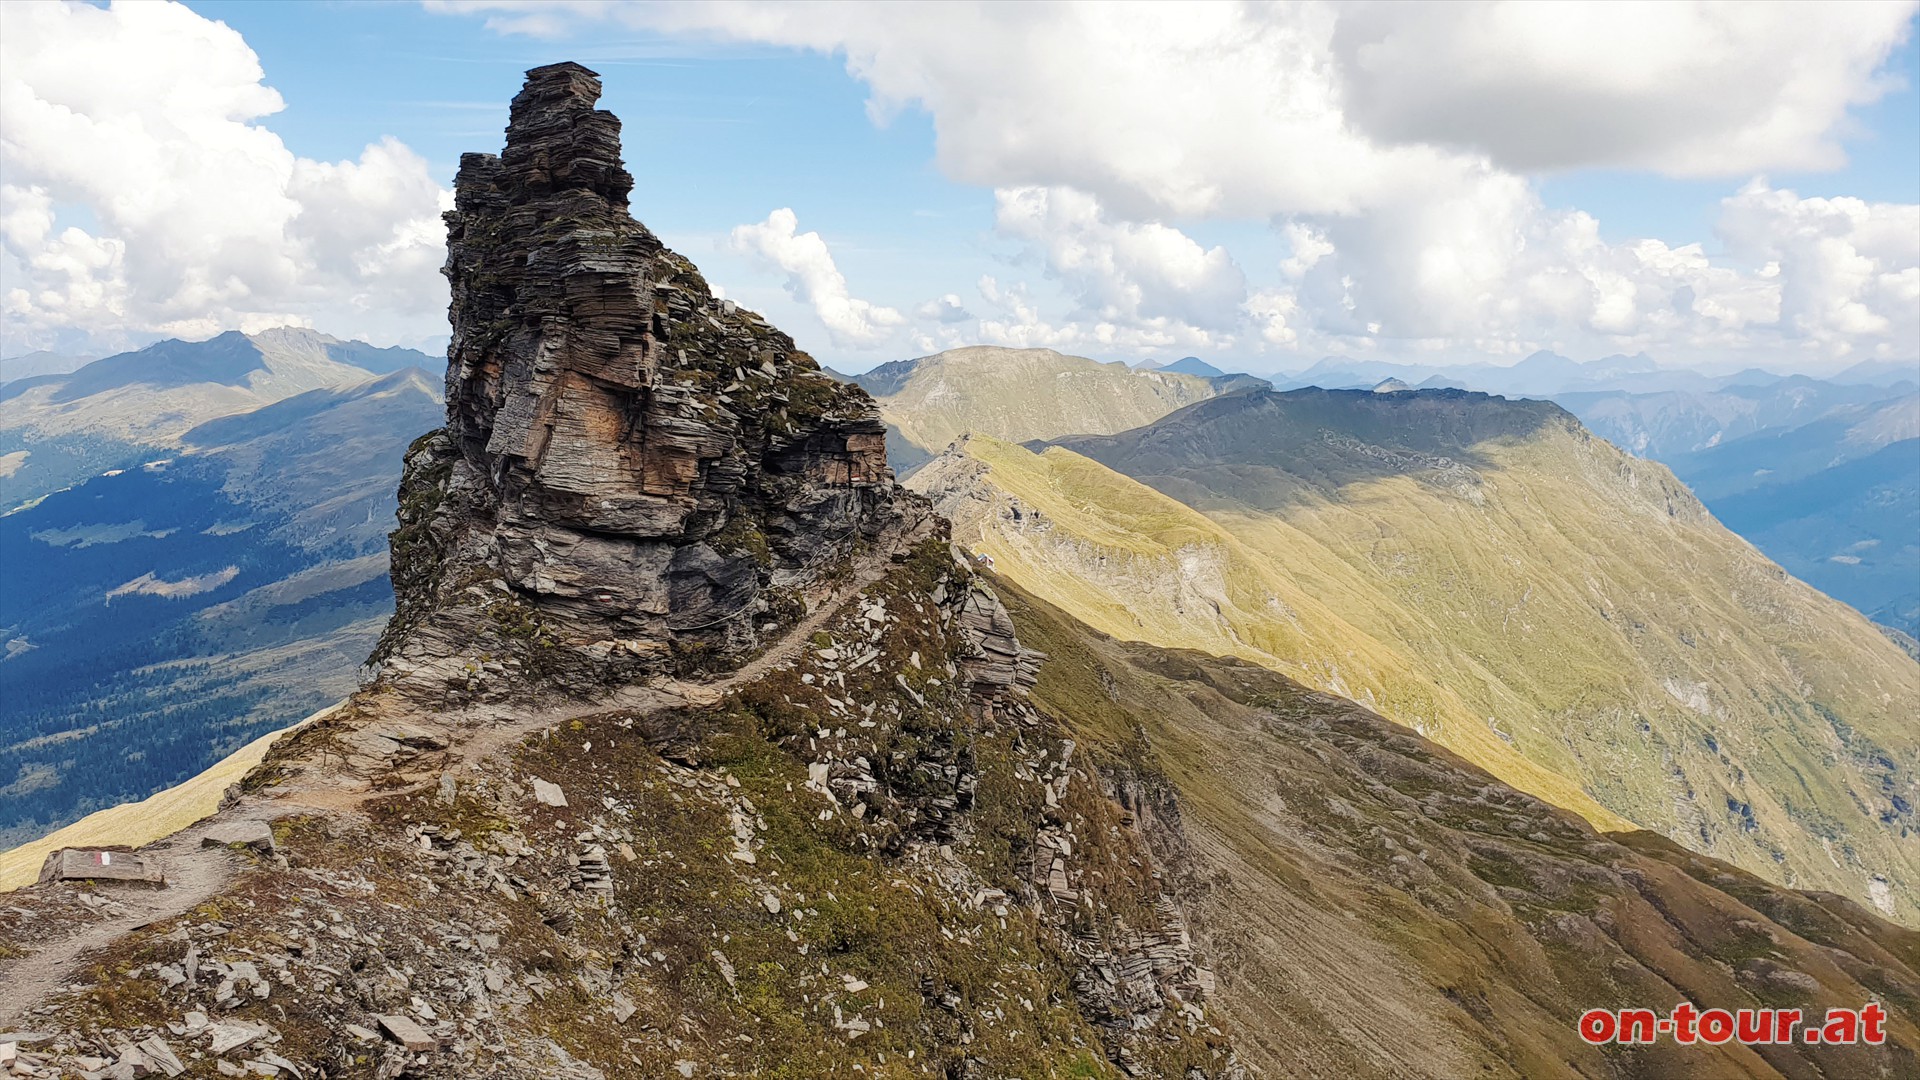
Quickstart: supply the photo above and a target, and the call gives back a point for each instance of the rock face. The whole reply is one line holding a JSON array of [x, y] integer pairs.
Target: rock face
[[633, 472]]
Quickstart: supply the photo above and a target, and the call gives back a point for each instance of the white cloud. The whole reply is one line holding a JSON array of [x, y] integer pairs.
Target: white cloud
[[1392, 145], [1254, 109], [1845, 268], [1686, 89], [1488, 266], [1123, 272], [1272, 310], [1020, 324], [143, 195], [944, 309], [812, 278]]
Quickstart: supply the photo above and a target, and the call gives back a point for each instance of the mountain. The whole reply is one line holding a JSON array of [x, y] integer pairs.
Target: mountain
[[696, 748], [1193, 365], [1729, 435], [58, 428], [1489, 574], [1851, 530], [1666, 425], [1881, 372], [160, 616], [1021, 394], [1543, 374], [1787, 453], [1836, 501], [41, 362]]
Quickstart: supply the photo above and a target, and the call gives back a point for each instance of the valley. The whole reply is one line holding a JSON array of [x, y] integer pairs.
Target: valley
[[221, 586]]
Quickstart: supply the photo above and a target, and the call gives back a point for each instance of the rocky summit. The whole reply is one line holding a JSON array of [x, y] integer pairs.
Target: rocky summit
[[634, 473], [696, 749]]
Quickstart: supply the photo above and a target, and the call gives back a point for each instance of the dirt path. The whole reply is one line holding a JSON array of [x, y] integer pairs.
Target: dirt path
[[195, 873]]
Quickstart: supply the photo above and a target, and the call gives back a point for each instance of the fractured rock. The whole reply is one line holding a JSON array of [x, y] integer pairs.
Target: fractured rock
[[85, 864], [161, 1056], [608, 493], [407, 1033], [252, 834], [233, 1035]]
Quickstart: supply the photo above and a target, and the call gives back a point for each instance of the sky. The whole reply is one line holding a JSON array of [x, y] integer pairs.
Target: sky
[[1719, 186]]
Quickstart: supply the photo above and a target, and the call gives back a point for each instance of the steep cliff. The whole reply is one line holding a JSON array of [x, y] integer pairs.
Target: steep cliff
[[634, 475]]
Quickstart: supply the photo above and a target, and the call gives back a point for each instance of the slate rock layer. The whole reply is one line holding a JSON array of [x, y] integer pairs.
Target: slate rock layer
[[633, 472]]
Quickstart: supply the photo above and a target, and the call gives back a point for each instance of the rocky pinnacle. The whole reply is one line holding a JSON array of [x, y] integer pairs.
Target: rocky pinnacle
[[634, 474]]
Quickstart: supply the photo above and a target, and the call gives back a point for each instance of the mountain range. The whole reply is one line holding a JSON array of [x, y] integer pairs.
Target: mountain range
[[41, 362], [696, 746], [1488, 573], [61, 427], [1027, 393], [1752, 434]]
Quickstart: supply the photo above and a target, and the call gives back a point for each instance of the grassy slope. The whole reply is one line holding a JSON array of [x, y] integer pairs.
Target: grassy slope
[[1567, 603], [1138, 565], [1356, 884], [952, 986], [1373, 905], [1027, 394]]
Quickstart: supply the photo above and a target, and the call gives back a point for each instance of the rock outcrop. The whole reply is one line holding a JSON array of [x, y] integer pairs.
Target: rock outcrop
[[901, 841], [634, 474]]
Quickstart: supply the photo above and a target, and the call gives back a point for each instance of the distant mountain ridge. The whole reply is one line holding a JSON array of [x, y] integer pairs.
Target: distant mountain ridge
[[1022, 394], [1489, 573], [1193, 365], [1541, 374], [1667, 424], [1836, 501], [41, 362], [58, 428]]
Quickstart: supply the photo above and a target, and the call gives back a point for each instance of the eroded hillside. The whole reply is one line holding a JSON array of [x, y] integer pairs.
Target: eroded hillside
[[61, 427]]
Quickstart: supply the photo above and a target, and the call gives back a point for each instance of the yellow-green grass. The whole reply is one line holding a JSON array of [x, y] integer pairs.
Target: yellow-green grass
[[133, 824], [1030, 394], [1155, 570], [1571, 619]]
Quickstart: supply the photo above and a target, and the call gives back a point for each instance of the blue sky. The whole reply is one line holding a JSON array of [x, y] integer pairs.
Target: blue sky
[[1268, 214], [736, 130]]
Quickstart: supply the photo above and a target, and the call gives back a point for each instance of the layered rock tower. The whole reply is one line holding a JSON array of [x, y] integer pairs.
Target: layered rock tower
[[634, 473]]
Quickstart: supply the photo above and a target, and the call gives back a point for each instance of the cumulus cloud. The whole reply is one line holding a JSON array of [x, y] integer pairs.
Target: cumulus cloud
[[1392, 146], [1017, 322], [143, 195], [1123, 272], [812, 278], [944, 309], [1840, 268], [1686, 89], [1488, 266], [1256, 109]]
